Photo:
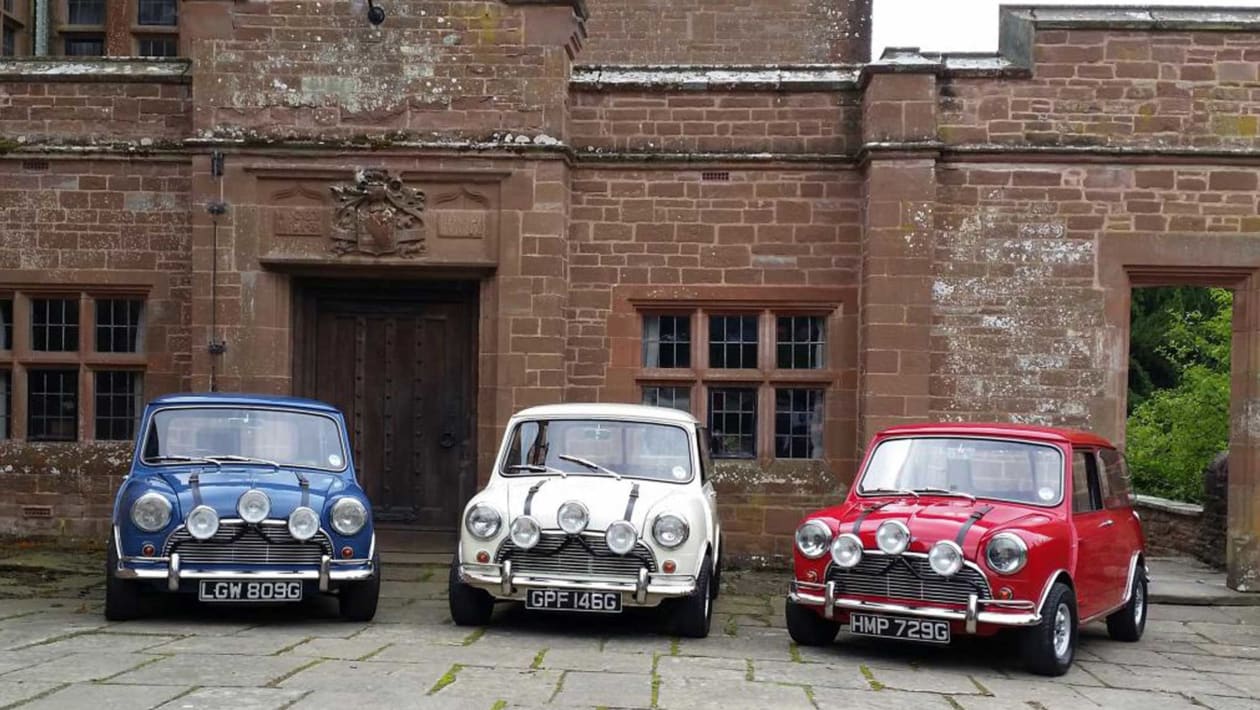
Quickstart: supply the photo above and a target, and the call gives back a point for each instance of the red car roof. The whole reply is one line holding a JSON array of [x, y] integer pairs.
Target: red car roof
[[1000, 430]]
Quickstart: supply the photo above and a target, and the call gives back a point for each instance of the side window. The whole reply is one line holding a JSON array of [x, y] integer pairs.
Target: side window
[[1116, 476], [702, 436], [1086, 497]]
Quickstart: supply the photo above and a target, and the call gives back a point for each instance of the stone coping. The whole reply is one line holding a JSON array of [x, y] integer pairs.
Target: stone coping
[[1168, 506], [95, 69], [805, 77], [1152, 17]]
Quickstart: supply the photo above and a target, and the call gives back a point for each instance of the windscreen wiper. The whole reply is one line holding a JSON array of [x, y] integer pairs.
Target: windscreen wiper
[[945, 492], [233, 458], [535, 468], [890, 492], [589, 464]]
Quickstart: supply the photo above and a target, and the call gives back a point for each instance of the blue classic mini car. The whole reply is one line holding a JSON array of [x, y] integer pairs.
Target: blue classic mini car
[[242, 498]]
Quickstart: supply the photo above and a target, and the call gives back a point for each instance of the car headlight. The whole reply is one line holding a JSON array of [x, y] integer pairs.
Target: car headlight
[[573, 517], [202, 522], [670, 531], [946, 558], [483, 521], [893, 537], [254, 506], [525, 532], [1006, 553], [812, 538], [303, 523], [846, 551], [348, 516], [151, 512], [621, 537]]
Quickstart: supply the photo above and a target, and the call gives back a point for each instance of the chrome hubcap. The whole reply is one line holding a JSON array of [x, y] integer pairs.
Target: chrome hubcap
[[1139, 603], [1062, 631]]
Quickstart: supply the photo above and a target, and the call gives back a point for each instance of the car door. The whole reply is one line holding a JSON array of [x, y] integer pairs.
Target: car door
[[1092, 524], [1124, 532], [706, 485]]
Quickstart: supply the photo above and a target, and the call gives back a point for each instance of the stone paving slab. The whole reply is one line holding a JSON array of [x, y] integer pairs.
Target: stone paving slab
[[58, 651]]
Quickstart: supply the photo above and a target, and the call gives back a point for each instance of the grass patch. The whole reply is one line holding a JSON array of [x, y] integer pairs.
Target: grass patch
[[292, 646], [954, 703], [795, 652], [275, 682], [538, 659], [446, 679], [870, 678], [474, 637], [656, 681], [748, 669], [981, 688], [673, 646], [499, 705], [559, 687], [809, 695], [730, 628], [373, 654]]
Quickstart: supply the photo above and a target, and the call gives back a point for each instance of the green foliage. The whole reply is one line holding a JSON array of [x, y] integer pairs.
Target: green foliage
[[1179, 388]]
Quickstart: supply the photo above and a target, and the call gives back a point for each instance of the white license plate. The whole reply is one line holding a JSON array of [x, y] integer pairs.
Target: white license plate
[[261, 590], [896, 627], [565, 600]]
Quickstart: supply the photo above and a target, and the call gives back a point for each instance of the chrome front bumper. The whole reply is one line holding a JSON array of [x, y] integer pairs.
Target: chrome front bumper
[[169, 568], [502, 582], [1021, 613]]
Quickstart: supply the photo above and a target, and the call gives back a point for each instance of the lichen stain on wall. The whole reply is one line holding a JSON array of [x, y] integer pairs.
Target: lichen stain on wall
[[1032, 355]]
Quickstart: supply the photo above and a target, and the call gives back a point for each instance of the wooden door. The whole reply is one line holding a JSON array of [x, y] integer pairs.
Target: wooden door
[[401, 368]]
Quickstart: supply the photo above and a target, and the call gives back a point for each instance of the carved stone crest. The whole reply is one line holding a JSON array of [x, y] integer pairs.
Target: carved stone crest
[[378, 215]]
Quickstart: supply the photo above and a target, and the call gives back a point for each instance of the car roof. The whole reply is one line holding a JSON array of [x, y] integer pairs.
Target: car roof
[[1001, 430], [240, 399], [595, 410]]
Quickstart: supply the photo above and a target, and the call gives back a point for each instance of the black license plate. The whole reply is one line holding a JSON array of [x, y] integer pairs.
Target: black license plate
[[896, 627], [262, 590], [565, 600]]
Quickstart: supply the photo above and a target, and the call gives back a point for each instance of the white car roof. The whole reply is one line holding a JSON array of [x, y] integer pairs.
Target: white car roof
[[594, 410]]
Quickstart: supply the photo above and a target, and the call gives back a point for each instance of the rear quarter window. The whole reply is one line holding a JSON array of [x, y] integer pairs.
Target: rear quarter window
[[1119, 494]]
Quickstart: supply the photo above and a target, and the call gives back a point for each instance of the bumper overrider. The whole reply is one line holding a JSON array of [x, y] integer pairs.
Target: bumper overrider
[[329, 572], [648, 589], [997, 612]]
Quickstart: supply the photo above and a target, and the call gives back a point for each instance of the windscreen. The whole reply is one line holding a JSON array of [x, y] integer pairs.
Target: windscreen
[[288, 438], [985, 468], [632, 449]]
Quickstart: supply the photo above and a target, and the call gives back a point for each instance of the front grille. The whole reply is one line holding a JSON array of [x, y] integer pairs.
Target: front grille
[[908, 576], [245, 544], [588, 554]]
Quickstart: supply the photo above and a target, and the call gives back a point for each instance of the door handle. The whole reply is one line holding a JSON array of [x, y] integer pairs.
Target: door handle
[[1107, 523]]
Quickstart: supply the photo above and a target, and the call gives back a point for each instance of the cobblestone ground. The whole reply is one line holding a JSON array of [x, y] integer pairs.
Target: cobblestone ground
[[57, 651]]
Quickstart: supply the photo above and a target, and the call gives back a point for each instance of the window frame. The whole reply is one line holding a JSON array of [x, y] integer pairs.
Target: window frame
[[86, 361], [17, 21], [1093, 480], [766, 378]]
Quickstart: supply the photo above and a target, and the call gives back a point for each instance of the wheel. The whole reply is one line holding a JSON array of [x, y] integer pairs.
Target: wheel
[[122, 597], [1129, 623], [693, 614], [1049, 647], [469, 606], [808, 628], [357, 600]]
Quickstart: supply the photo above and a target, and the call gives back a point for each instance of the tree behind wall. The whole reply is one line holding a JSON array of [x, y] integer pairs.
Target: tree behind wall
[[1178, 388]]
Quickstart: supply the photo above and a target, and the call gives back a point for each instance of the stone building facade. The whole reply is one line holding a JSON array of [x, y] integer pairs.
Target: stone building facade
[[481, 205]]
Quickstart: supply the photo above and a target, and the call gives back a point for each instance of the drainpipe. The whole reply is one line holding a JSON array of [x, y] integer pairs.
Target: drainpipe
[[41, 28]]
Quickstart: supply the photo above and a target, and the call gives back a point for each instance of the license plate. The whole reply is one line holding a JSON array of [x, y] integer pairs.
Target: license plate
[[565, 600], [923, 630], [252, 591]]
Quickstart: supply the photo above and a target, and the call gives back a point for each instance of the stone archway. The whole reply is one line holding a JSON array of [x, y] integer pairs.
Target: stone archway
[[1199, 260]]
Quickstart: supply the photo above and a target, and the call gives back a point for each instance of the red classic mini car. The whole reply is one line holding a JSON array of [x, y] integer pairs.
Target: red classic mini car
[[973, 528]]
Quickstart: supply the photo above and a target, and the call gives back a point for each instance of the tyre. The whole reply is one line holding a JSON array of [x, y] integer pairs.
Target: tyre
[[358, 600], [1049, 647], [122, 597], [469, 606], [1129, 622], [807, 628], [693, 614]]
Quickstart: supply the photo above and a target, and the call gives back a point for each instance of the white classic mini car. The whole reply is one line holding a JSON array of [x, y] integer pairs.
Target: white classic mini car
[[594, 507]]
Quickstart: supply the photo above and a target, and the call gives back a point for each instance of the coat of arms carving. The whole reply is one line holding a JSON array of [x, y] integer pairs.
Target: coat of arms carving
[[378, 215]]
